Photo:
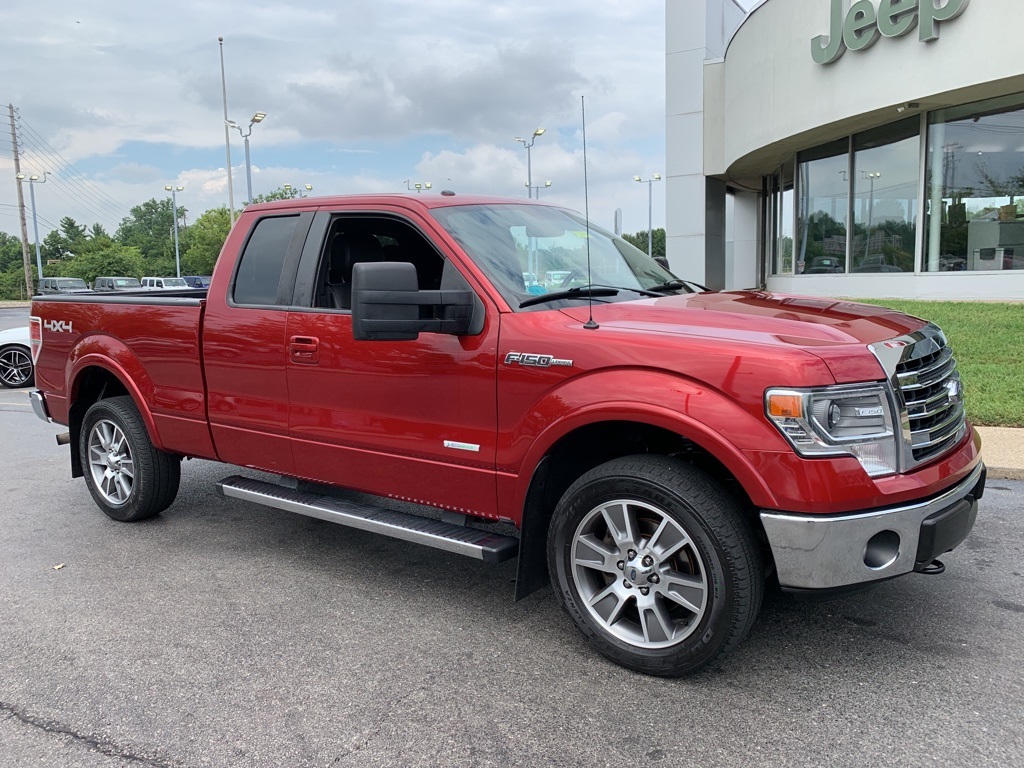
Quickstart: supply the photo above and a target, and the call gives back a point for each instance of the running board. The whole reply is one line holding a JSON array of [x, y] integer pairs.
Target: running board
[[460, 539]]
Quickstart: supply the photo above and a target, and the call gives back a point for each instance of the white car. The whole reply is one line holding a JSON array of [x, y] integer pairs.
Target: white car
[[163, 283], [16, 368]]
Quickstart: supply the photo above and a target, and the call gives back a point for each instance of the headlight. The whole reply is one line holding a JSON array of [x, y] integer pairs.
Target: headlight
[[852, 420]]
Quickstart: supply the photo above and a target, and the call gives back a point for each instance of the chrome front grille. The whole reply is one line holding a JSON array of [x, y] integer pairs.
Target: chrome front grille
[[923, 373], [931, 391]]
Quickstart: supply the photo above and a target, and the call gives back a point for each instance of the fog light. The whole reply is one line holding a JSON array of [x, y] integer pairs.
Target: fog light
[[882, 550]]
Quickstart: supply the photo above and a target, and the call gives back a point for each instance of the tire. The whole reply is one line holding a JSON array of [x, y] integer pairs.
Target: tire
[[16, 367], [128, 477], [654, 523]]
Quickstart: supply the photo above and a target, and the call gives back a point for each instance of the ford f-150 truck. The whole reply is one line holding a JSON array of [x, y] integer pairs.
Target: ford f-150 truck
[[499, 378]]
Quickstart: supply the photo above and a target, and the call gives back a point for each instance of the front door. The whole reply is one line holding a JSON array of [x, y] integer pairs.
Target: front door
[[413, 420]]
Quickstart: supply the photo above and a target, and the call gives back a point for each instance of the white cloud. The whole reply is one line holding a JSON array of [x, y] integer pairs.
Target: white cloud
[[357, 101]]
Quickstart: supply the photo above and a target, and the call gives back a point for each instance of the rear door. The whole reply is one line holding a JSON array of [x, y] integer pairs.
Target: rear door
[[244, 343], [414, 420]]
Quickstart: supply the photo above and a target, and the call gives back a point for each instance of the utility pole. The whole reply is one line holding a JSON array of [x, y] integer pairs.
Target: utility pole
[[21, 207]]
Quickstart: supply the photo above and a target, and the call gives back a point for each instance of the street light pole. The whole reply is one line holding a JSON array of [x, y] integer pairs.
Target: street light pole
[[539, 187], [418, 186], [529, 165], [256, 118], [288, 188], [174, 205], [32, 181], [650, 208], [227, 136], [871, 204]]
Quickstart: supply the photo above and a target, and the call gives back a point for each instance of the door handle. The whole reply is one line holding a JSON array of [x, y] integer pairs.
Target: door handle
[[304, 349]]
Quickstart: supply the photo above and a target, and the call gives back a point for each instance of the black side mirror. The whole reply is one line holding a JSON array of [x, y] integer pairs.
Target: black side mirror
[[387, 305], [662, 261]]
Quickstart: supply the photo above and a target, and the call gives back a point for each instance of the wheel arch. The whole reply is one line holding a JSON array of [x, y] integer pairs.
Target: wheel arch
[[96, 378], [591, 442]]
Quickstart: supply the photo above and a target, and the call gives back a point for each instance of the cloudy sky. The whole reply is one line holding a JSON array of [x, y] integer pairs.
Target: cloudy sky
[[117, 99]]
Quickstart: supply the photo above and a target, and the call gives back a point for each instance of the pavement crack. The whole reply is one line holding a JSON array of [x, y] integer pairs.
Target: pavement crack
[[103, 746]]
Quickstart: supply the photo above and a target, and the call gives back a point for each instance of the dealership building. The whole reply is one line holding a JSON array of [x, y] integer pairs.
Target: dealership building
[[838, 148]]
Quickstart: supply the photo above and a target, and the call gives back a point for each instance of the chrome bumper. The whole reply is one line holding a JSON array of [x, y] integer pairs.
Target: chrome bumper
[[831, 551], [39, 405]]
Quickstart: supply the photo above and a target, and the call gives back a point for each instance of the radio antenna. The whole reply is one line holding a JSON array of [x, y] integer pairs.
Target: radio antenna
[[590, 325]]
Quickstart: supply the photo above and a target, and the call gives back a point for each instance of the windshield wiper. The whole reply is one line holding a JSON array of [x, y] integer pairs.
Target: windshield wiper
[[675, 285], [579, 292], [583, 292]]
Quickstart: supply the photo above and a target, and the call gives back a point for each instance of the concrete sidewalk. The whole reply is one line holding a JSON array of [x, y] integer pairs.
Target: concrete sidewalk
[[1002, 449]]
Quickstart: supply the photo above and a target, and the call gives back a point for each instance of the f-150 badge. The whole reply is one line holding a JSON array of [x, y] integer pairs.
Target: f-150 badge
[[537, 361]]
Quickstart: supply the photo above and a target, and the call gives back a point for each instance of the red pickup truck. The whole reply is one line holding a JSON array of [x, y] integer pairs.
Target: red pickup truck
[[499, 378]]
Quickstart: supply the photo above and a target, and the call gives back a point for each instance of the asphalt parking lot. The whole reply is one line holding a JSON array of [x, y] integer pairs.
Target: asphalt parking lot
[[224, 634]]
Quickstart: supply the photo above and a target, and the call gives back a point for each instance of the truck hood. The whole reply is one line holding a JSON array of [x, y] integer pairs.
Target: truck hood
[[826, 328], [757, 316]]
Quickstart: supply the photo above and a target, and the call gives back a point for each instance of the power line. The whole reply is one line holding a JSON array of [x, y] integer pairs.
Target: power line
[[86, 181], [69, 183]]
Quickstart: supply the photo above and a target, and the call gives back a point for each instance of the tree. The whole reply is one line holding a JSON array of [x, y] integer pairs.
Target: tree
[[10, 252], [277, 194], [640, 241], [55, 246], [149, 227], [115, 260], [205, 239], [73, 232]]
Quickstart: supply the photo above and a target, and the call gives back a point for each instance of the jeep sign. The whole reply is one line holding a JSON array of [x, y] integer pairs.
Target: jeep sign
[[863, 25]]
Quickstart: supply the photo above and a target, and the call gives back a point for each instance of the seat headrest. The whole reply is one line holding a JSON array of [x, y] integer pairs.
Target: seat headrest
[[348, 249]]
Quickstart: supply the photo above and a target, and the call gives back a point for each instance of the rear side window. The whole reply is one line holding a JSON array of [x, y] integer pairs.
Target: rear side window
[[262, 261]]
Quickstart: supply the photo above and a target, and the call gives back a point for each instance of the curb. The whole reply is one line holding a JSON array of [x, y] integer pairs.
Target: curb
[[1005, 473]]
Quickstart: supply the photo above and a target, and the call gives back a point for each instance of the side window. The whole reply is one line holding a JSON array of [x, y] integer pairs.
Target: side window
[[352, 240], [259, 267]]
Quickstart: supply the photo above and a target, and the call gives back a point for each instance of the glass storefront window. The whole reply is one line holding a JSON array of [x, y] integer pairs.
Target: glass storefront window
[[822, 208], [975, 187], [886, 172], [781, 223]]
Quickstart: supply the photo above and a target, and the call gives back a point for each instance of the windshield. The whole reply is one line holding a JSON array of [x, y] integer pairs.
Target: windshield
[[72, 282], [175, 282], [127, 282], [530, 250]]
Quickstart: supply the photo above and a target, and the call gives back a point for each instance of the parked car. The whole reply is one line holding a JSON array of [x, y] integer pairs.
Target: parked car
[[824, 265], [875, 262], [163, 283], [16, 369], [197, 281], [52, 285], [113, 284]]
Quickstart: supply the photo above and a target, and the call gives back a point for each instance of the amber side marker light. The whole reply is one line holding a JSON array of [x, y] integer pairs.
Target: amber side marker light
[[786, 406]]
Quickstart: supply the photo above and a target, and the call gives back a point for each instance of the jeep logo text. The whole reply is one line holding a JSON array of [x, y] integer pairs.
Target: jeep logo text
[[863, 25]]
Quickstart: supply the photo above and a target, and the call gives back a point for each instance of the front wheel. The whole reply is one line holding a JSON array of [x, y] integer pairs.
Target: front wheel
[[655, 565], [129, 478]]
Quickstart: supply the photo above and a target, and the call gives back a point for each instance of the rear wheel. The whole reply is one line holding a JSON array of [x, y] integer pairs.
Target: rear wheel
[[16, 367], [655, 565], [129, 478]]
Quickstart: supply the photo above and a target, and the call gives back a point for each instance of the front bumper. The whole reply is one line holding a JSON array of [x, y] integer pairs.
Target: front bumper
[[834, 551]]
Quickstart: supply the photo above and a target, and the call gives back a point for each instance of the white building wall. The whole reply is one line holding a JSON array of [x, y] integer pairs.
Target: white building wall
[[775, 97], [696, 30], [764, 98]]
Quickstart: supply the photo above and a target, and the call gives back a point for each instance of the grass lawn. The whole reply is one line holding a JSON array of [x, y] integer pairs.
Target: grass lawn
[[988, 342]]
